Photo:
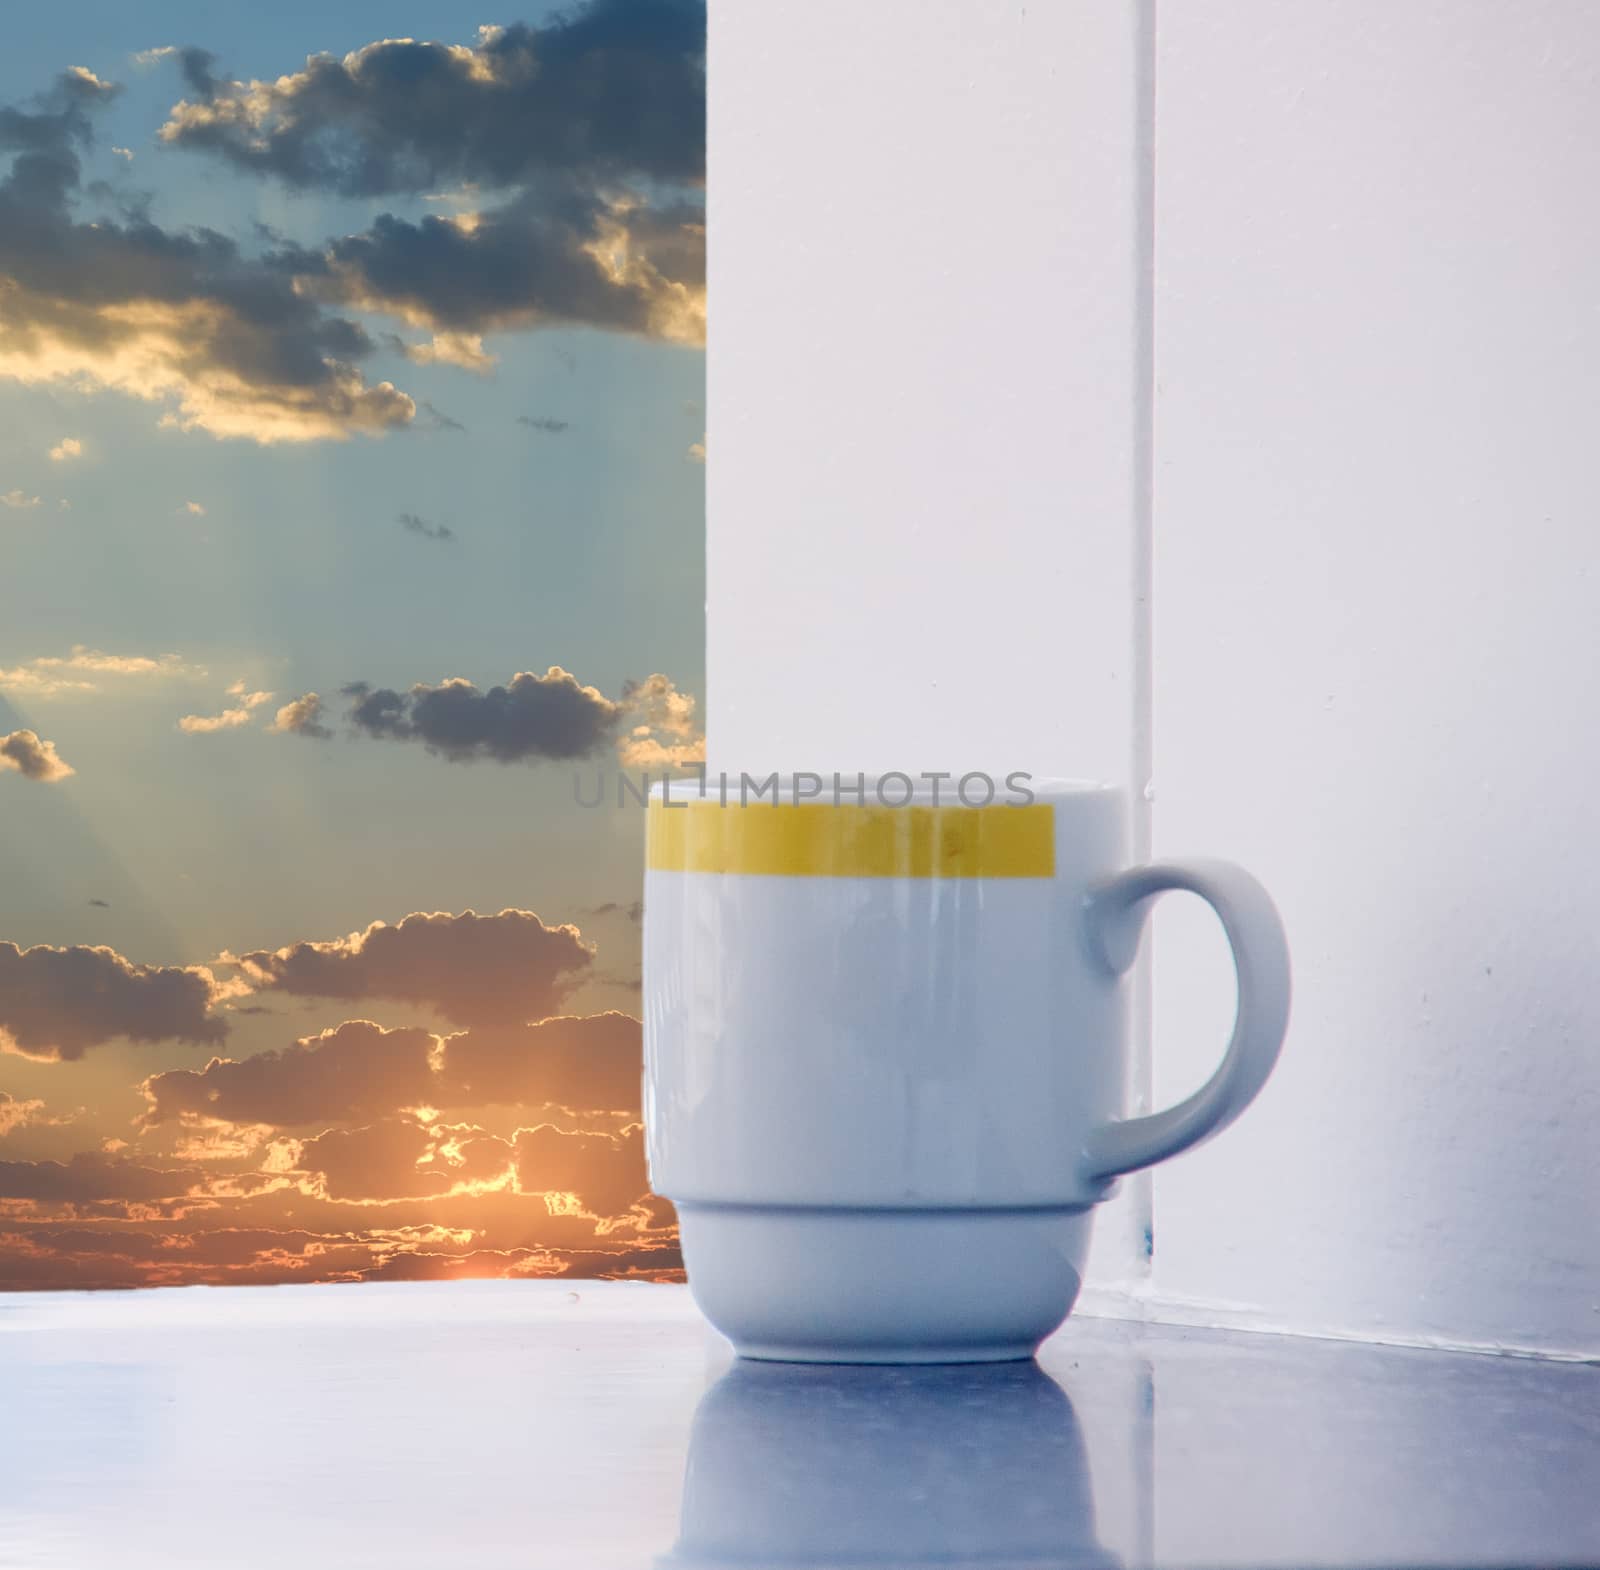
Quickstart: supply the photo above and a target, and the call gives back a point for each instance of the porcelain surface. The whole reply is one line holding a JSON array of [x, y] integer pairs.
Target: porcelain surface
[[884, 1059]]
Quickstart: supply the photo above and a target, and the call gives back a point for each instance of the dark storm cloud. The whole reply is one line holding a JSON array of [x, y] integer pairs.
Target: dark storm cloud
[[475, 970], [413, 524], [531, 717], [612, 89], [183, 318], [57, 1003]]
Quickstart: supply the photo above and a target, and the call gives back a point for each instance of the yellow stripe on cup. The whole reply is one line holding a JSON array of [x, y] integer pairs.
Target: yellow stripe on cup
[[820, 840]]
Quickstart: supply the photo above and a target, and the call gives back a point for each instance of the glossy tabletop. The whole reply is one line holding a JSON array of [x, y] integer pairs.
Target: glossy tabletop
[[555, 1424]]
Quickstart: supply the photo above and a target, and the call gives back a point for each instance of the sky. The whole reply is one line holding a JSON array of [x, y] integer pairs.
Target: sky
[[352, 448]]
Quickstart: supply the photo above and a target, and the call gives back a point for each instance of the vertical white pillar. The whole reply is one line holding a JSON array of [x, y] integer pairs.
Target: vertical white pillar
[[924, 371]]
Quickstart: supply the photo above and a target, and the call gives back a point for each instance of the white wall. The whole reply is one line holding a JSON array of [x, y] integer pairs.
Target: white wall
[[1378, 650], [1374, 655], [922, 257]]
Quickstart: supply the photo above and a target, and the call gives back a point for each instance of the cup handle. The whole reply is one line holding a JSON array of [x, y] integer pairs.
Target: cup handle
[[1115, 921]]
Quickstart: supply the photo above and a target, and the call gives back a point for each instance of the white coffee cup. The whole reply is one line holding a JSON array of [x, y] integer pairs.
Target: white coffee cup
[[884, 1055]]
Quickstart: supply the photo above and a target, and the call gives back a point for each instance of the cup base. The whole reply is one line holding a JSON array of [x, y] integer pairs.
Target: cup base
[[821, 1285], [763, 1352]]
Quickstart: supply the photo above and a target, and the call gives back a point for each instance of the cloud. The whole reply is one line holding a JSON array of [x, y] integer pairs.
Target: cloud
[[588, 1063], [359, 1070], [57, 1003], [593, 125], [67, 448], [606, 1172], [121, 1252], [633, 910], [25, 1266], [410, 522], [24, 753], [475, 970], [596, 259], [644, 751], [535, 718], [91, 1176], [14, 1113], [18, 501], [590, 127], [302, 717], [609, 90], [137, 1253], [647, 1261], [665, 732], [85, 670], [543, 423], [432, 419], [465, 351], [228, 719], [531, 717], [446, 1197], [228, 343], [399, 1158], [404, 1158], [208, 724], [103, 904]]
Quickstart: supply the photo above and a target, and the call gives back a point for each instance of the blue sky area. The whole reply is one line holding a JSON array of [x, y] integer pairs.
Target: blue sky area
[[208, 491]]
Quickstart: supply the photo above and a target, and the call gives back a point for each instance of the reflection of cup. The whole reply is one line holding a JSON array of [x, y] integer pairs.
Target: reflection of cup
[[854, 1466]]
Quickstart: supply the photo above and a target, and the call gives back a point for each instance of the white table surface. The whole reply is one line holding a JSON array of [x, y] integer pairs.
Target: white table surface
[[535, 1424]]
